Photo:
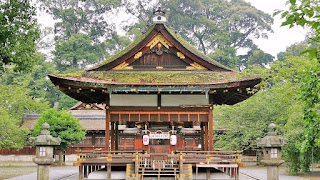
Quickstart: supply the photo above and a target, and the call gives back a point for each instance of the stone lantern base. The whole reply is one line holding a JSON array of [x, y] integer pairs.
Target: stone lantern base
[[272, 168], [43, 172]]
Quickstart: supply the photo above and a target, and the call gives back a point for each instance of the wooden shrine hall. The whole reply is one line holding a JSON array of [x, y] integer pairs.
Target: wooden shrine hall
[[159, 94]]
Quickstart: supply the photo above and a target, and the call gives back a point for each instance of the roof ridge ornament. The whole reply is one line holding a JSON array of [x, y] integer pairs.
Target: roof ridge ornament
[[159, 16]]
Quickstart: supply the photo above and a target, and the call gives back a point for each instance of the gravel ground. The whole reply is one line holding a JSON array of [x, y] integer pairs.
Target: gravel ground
[[13, 169], [27, 170]]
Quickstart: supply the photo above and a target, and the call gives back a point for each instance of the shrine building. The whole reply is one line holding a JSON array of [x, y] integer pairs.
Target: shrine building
[[159, 94]]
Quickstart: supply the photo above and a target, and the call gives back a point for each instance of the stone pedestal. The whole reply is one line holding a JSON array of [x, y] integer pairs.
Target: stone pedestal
[[43, 172], [273, 173], [272, 168]]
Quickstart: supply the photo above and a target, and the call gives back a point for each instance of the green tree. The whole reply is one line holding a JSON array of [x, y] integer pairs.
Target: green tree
[[256, 57], [304, 13], [219, 27], [16, 101], [62, 125], [18, 34], [77, 52], [37, 84], [81, 16], [116, 43], [11, 134], [216, 27], [279, 102], [293, 50], [80, 31], [247, 121]]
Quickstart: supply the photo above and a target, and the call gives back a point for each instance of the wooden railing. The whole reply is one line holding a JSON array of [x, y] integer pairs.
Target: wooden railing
[[101, 157], [194, 157], [188, 157]]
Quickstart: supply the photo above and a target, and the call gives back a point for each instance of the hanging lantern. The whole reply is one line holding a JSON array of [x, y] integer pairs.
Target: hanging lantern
[[173, 140], [145, 140]]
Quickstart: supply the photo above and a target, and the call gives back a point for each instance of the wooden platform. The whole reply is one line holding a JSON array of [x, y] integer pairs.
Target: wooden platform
[[178, 164]]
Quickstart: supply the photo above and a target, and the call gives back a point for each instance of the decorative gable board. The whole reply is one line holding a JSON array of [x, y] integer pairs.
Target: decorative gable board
[[159, 49], [161, 55]]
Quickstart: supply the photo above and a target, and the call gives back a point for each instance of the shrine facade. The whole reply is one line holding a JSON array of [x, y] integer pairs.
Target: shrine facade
[[159, 94]]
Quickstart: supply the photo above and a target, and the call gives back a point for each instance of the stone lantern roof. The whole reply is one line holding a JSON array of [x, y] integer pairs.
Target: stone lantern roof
[[272, 140], [45, 139]]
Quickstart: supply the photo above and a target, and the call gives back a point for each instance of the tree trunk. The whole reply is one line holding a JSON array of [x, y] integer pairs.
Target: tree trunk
[[61, 153], [200, 37], [74, 63], [202, 45]]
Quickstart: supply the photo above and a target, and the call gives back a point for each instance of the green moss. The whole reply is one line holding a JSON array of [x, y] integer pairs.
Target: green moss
[[125, 50], [163, 76], [74, 74]]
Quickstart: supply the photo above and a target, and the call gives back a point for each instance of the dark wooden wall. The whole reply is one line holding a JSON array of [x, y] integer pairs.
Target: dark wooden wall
[[167, 60]]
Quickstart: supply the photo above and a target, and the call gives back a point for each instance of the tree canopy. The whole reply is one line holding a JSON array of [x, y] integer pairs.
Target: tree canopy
[[14, 102], [304, 13], [36, 84], [62, 125], [219, 27], [80, 31], [216, 27], [11, 134], [18, 34]]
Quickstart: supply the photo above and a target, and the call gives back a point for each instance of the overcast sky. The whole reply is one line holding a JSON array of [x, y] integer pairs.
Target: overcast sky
[[282, 36], [276, 42]]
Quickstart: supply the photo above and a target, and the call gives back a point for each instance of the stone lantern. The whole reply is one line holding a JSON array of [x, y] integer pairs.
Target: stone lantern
[[44, 151], [271, 147]]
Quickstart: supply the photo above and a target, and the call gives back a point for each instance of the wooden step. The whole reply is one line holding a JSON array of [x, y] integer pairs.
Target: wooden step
[[159, 174], [162, 171]]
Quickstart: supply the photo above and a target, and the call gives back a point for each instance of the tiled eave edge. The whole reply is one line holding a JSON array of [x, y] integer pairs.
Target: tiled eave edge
[[86, 82]]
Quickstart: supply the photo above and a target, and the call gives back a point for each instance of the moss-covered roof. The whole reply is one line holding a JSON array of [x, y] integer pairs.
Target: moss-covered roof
[[157, 77], [125, 50], [184, 43], [194, 50]]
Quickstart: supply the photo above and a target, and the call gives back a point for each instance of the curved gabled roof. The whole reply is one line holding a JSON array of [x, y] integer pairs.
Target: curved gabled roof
[[172, 37], [199, 74]]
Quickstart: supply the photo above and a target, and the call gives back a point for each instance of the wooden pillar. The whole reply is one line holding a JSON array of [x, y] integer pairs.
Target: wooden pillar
[[159, 101], [109, 171], [107, 131], [206, 136], [181, 164], [80, 172], [210, 129], [202, 137], [197, 172], [89, 169], [208, 173], [85, 172], [136, 165], [93, 140], [112, 137], [116, 137]]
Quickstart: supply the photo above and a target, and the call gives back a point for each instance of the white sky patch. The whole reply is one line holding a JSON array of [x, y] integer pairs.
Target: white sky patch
[[282, 36]]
